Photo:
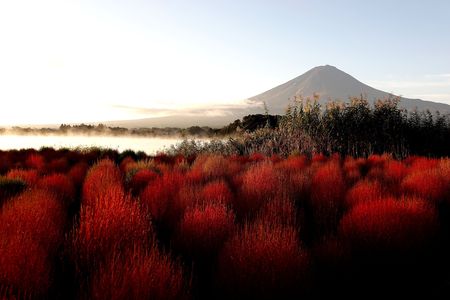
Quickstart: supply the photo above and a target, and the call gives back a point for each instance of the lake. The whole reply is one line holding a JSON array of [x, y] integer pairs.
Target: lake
[[150, 145]]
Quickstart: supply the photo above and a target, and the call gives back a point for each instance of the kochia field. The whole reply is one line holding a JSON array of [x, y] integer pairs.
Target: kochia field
[[100, 224]]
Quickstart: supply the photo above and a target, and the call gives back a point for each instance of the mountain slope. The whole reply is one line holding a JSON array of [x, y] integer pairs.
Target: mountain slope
[[330, 83]]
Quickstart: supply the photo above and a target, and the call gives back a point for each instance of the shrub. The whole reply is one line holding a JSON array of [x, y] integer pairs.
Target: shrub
[[263, 261], [319, 158], [126, 164], [78, 172], [36, 213], [204, 229], [444, 166], [158, 196], [10, 187], [30, 177], [352, 169], [259, 184], [377, 161], [140, 180], [427, 184], [210, 167], [140, 275], [59, 184], [394, 171], [100, 178], [25, 268], [59, 165], [389, 225], [419, 163], [327, 197], [32, 230], [35, 161], [281, 211], [292, 164], [217, 192], [188, 195], [112, 225], [363, 191]]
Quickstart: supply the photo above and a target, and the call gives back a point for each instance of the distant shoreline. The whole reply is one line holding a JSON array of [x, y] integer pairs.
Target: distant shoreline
[[103, 130]]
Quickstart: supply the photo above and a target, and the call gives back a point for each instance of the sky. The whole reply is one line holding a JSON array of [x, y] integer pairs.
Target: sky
[[65, 61]]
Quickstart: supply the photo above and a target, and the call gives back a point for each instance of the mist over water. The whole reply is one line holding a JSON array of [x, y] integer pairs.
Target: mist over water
[[150, 145]]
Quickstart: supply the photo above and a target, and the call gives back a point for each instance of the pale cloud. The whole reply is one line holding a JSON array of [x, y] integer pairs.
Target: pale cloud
[[445, 98], [432, 87], [383, 84], [445, 75], [199, 110]]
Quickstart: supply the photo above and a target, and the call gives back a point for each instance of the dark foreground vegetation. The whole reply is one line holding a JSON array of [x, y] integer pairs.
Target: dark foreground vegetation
[[356, 129], [105, 225]]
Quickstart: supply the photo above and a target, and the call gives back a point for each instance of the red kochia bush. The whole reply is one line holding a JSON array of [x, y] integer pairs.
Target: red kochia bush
[[25, 268], [78, 172], [9, 188], [35, 161], [113, 224], [259, 184], [140, 275], [189, 195], [262, 260], [363, 191], [36, 213], [99, 179], [428, 184], [327, 196], [394, 171], [209, 167], [352, 169], [61, 185], [159, 195], [418, 163], [140, 180], [217, 192], [377, 161], [204, 229], [280, 210], [389, 224], [59, 165], [30, 177], [292, 164], [31, 231], [125, 164], [319, 158]]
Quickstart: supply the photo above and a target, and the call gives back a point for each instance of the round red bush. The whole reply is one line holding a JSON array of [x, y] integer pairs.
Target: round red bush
[[140, 275], [204, 229], [263, 261], [389, 225]]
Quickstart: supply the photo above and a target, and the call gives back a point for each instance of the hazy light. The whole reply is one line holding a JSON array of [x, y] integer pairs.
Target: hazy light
[[73, 61], [60, 62]]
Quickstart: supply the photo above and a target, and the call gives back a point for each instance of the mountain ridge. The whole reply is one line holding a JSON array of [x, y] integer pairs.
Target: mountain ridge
[[330, 83]]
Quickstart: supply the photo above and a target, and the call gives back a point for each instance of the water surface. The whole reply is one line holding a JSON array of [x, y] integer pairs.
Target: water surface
[[150, 145]]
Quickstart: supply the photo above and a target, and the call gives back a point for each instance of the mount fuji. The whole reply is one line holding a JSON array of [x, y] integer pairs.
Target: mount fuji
[[330, 83]]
